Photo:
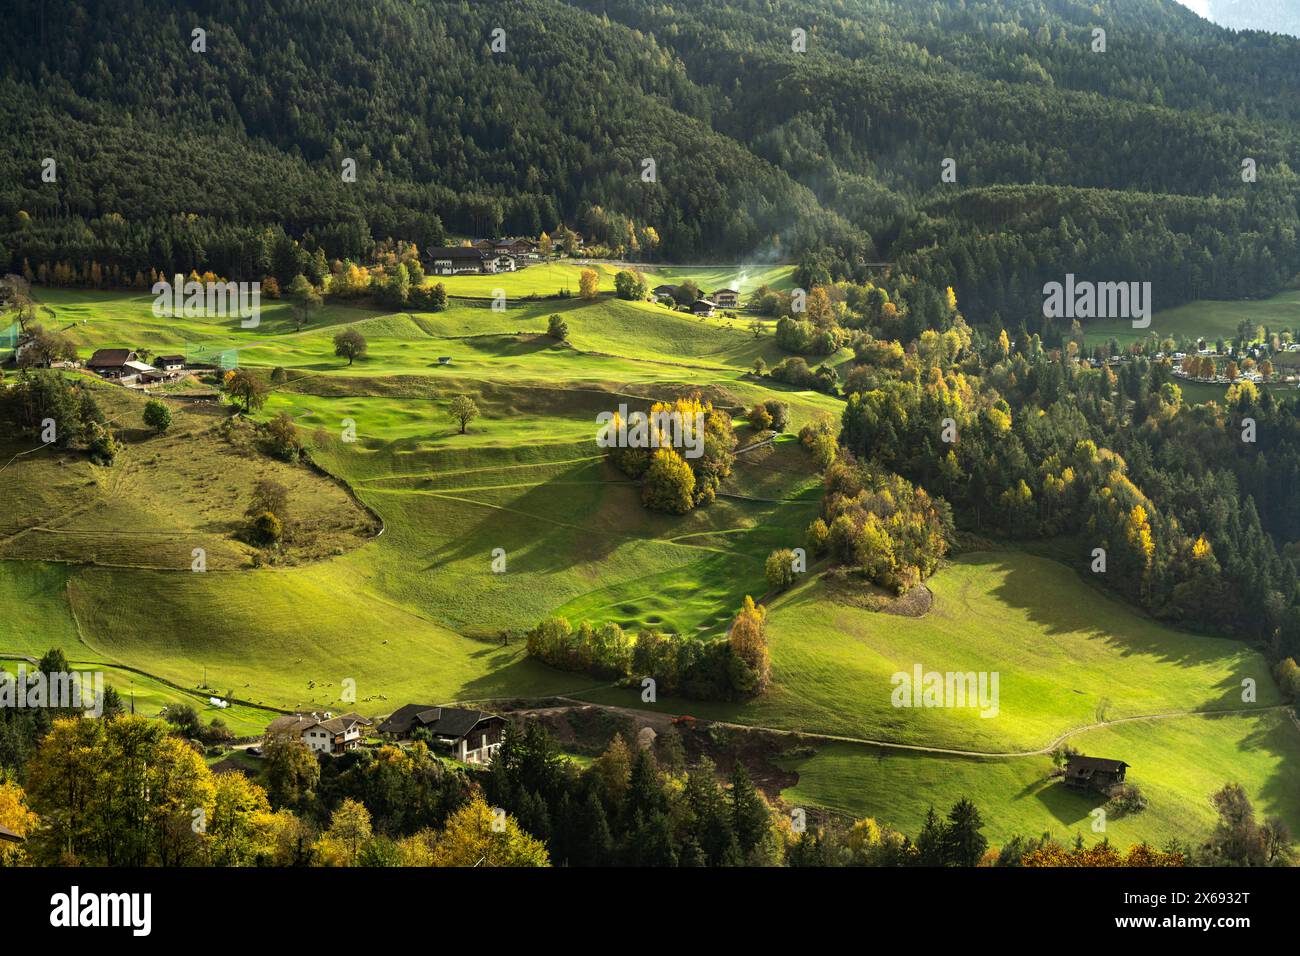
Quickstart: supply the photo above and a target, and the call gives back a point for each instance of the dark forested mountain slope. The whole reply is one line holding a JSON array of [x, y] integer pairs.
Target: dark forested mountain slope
[[179, 159]]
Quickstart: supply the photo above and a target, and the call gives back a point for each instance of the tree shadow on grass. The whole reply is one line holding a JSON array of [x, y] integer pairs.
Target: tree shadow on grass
[[1033, 586], [511, 674], [533, 535]]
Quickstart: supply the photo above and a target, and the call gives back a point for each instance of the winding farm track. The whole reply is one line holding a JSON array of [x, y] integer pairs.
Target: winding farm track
[[574, 704]]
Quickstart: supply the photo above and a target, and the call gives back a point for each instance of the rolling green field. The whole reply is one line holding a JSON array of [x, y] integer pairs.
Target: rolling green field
[[549, 278], [1206, 317], [95, 561], [1176, 763], [1067, 656]]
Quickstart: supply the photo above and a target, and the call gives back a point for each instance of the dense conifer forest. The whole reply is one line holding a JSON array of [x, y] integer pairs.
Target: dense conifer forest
[[1119, 163]]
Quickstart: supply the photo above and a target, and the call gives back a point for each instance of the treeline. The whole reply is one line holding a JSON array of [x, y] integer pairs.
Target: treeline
[[734, 668], [1008, 91]]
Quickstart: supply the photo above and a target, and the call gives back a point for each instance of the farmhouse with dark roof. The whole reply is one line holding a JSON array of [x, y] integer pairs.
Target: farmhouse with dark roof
[[472, 735]]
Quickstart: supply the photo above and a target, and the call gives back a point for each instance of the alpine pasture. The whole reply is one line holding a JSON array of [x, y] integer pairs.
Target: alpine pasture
[[393, 584]]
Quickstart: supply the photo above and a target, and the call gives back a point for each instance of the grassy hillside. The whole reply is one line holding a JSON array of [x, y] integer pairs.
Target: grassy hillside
[[1068, 656], [417, 612], [1176, 763]]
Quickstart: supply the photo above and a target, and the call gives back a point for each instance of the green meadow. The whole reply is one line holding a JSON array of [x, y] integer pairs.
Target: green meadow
[[1067, 656], [1177, 763], [551, 277], [389, 581], [1208, 318]]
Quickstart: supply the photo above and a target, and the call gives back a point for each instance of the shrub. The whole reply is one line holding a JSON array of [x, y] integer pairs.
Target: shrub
[[157, 415], [818, 536], [282, 437], [267, 528], [1125, 799], [103, 446], [779, 412], [760, 418], [818, 438], [780, 569], [1288, 677], [269, 495], [557, 328]]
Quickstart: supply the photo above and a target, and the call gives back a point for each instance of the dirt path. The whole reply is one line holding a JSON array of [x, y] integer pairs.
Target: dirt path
[[653, 716]]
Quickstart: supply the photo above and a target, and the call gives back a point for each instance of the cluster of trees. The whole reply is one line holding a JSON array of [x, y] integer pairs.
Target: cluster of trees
[[1188, 505], [734, 668], [772, 414], [869, 316], [47, 408], [655, 453], [123, 791], [629, 807], [878, 523]]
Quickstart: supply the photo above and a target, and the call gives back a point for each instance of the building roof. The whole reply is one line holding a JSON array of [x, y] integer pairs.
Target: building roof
[[455, 252], [109, 358], [700, 305], [139, 366], [725, 292], [664, 289], [454, 722], [296, 724], [10, 836], [170, 359], [1087, 766]]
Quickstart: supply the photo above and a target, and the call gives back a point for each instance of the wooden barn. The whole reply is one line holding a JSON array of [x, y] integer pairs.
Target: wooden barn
[[1093, 773]]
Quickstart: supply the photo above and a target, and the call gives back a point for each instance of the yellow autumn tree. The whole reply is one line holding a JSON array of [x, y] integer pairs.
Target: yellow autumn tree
[[588, 283], [348, 833], [669, 483], [748, 641], [241, 829], [17, 818], [476, 836], [1137, 530]]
